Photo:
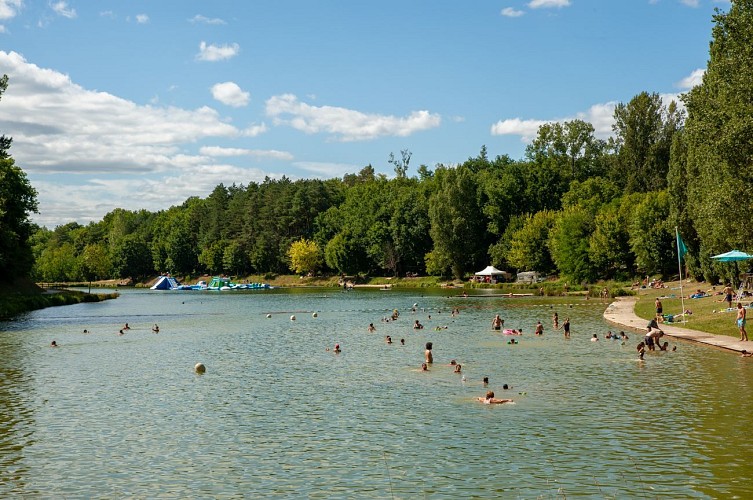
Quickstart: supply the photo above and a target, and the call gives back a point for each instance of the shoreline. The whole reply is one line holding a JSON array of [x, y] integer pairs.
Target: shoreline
[[621, 313]]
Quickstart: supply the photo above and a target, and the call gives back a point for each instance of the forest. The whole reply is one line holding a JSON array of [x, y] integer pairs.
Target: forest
[[575, 205]]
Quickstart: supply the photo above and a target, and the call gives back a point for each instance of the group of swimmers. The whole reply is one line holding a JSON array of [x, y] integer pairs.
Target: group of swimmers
[[121, 331]]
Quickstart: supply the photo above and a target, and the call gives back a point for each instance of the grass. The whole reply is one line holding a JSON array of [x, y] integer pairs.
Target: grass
[[709, 313], [21, 296]]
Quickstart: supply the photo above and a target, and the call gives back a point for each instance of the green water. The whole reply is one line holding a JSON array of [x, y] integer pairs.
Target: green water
[[277, 414]]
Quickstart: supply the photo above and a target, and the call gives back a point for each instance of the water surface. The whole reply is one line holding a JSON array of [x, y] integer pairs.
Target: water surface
[[278, 414]]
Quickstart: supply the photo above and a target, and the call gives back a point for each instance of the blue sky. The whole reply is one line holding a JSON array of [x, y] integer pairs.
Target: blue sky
[[142, 104]]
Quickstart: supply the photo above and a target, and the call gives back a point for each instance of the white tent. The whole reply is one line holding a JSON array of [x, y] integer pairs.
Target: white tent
[[491, 271]]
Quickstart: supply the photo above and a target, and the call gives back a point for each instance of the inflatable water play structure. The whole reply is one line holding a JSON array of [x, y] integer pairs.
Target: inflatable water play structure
[[217, 283]]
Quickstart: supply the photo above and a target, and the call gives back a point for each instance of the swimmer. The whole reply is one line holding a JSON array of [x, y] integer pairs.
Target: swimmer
[[664, 346], [372, 328], [745, 354], [486, 381], [566, 328], [556, 321], [624, 336], [453, 362], [539, 329], [337, 349], [417, 325], [53, 344], [595, 338], [86, 331], [424, 367], [121, 332], [608, 335], [155, 328], [489, 399], [402, 341], [497, 323], [506, 387], [126, 327], [458, 368], [388, 339], [427, 354]]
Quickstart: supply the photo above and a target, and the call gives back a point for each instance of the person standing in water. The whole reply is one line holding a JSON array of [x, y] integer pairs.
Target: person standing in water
[[497, 323], [556, 321], [741, 312], [539, 329], [427, 354], [566, 328]]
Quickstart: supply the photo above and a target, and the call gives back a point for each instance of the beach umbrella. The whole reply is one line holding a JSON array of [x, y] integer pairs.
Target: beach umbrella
[[732, 256]]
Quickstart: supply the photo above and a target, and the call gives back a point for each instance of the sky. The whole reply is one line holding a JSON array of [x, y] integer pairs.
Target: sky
[[143, 104]]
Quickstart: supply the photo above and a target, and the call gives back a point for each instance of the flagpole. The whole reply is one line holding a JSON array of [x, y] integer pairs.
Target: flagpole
[[679, 268]]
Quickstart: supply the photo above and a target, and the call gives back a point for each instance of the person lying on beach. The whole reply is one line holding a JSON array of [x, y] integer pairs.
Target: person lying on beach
[[489, 399]]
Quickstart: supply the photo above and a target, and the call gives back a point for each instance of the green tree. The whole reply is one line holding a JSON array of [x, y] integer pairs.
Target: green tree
[[95, 262], [651, 236], [529, 250], [719, 137], [569, 244]]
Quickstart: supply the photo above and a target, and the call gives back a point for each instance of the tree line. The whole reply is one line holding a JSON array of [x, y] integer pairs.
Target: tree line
[[575, 205]]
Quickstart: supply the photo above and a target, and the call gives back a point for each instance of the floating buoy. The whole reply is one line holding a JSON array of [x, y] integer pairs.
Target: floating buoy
[[315, 315], [269, 315], [200, 368], [292, 317]]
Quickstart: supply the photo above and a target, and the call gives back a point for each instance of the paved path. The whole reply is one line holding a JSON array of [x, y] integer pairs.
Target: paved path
[[620, 312]]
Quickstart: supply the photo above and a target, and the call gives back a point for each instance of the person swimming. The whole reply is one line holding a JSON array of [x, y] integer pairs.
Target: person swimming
[[388, 339], [458, 368], [424, 367], [155, 328], [53, 344], [489, 399], [337, 349], [417, 325], [372, 328]]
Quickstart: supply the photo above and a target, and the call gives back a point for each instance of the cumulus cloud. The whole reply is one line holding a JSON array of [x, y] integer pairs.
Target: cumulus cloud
[[141, 155], [272, 154], [327, 170], [9, 8], [693, 79], [601, 116], [254, 130], [142, 18], [211, 52], [205, 20], [510, 12], [345, 124], [231, 94], [61, 8], [543, 4]]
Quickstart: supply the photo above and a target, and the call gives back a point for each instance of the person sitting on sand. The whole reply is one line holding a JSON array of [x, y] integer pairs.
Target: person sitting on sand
[[489, 399], [497, 323]]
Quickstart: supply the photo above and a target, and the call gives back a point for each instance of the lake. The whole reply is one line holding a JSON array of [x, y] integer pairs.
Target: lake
[[277, 413]]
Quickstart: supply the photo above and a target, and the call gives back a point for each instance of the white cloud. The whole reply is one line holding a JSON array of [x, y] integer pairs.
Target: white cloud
[[210, 52], [231, 94], [601, 116], [543, 4], [254, 130], [272, 154], [345, 124], [693, 79], [526, 129], [142, 156], [9, 8], [142, 18], [61, 8], [205, 20], [510, 12], [328, 170], [690, 3]]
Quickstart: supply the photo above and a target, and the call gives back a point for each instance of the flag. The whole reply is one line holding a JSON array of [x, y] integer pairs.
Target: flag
[[681, 248]]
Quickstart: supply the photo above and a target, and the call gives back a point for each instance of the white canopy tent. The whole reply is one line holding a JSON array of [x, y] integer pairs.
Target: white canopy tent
[[491, 271]]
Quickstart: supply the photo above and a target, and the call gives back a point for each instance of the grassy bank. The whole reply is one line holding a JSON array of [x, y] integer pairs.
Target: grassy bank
[[23, 296], [709, 313]]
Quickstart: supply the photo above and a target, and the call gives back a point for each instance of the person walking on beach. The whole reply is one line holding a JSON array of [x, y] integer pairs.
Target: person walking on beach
[[727, 292], [741, 312]]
